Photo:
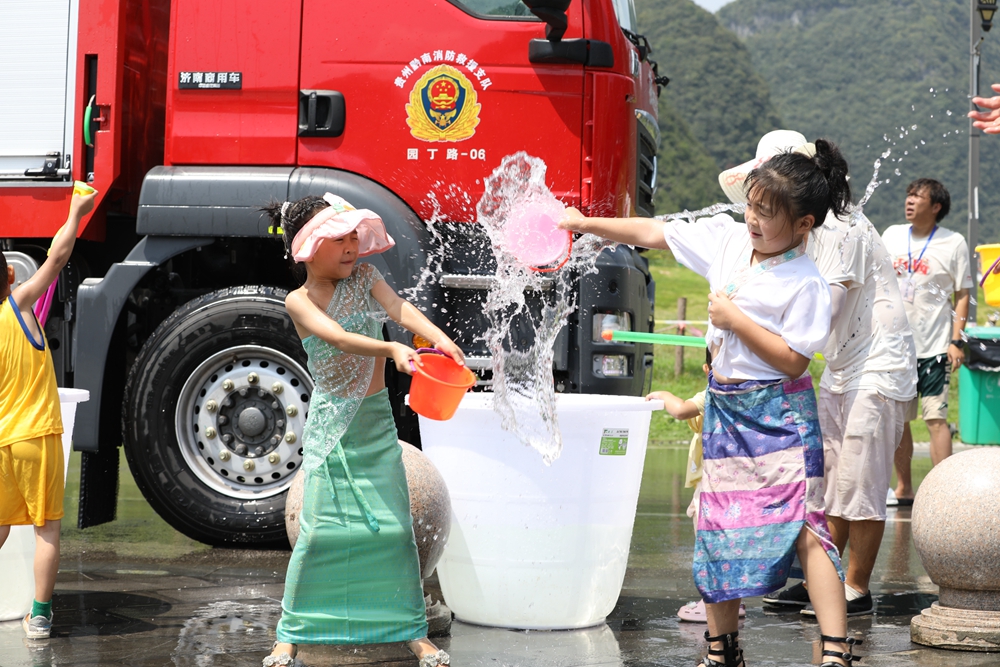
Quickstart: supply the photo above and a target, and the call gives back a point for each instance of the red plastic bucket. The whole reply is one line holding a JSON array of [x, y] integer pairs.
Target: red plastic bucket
[[438, 386]]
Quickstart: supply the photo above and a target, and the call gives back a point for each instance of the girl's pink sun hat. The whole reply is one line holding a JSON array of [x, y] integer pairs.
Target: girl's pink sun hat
[[339, 220]]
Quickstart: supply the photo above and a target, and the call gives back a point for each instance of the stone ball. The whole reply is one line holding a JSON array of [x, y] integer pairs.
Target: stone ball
[[430, 507], [956, 524]]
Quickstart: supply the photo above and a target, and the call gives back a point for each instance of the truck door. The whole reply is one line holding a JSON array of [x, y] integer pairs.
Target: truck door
[[427, 98], [232, 83], [38, 50]]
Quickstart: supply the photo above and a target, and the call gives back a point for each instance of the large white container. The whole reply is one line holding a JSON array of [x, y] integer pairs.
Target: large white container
[[535, 546], [17, 556]]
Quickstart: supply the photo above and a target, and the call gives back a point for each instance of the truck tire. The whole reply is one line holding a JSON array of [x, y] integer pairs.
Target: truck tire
[[213, 414]]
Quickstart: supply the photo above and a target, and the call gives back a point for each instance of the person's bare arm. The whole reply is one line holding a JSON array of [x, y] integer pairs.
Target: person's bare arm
[[987, 121], [32, 289], [642, 232], [956, 355], [406, 314], [675, 406], [309, 318], [770, 347]]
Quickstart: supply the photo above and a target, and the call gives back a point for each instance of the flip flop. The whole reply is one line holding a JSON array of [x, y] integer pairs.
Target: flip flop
[[694, 612]]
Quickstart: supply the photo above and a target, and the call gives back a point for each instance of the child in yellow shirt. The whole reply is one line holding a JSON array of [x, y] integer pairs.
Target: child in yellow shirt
[[31, 454]]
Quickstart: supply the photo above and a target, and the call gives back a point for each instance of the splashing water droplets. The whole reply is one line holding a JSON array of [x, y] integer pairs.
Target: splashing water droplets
[[524, 395], [706, 212]]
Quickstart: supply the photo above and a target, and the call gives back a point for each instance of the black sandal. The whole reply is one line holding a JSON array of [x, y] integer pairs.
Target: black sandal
[[847, 656], [732, 655]]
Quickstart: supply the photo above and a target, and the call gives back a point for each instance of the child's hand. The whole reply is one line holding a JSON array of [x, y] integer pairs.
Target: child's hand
[[573, 220], [81, 205], [660, 396], [448, 346], [403, 355], [722, 312]]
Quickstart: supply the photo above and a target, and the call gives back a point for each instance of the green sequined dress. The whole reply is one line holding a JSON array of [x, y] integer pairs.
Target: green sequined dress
[[354, 575]]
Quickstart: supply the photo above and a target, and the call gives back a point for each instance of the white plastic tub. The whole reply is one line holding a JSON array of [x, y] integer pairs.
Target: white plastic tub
[[535, 546], [18, 553]]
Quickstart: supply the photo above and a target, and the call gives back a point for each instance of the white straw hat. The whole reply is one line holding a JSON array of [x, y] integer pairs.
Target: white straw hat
[[771, 144]]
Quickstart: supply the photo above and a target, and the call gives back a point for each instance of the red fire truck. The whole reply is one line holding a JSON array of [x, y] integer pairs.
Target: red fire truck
[[188, 116]]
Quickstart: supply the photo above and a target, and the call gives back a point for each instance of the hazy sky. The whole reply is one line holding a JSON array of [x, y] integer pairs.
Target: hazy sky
[[712, 5]]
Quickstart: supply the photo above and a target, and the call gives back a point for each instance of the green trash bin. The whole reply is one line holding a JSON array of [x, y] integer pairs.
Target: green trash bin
[[979, 388]]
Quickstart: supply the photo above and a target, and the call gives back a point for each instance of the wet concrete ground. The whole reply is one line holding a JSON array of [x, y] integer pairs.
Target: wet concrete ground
[[150, 597]]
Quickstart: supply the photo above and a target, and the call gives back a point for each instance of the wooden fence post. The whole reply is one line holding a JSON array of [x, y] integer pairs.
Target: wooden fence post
[[679, 350]]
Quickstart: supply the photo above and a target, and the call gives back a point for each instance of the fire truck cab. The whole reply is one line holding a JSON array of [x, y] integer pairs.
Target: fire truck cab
[[189, 116]]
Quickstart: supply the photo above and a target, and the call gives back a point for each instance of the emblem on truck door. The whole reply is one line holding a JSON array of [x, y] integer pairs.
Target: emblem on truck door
[[443, 106]]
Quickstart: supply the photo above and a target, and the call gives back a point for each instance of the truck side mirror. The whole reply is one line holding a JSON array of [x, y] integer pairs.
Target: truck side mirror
[[553, 12]]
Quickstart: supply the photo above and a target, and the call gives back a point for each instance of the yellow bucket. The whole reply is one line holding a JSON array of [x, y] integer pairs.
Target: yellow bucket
[[989, 269]]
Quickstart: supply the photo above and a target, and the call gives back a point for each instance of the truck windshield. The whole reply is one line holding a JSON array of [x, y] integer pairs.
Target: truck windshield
[[626, 14], [496, 7]]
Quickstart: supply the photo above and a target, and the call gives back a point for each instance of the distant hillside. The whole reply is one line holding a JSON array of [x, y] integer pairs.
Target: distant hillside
[[860, 72], [715, 108]]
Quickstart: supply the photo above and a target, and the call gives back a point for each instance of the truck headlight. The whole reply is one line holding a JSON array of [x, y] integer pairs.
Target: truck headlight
[[609, 320], [611, 365]]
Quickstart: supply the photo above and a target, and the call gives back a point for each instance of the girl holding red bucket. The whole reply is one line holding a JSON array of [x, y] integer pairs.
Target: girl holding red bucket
[[355, 498]]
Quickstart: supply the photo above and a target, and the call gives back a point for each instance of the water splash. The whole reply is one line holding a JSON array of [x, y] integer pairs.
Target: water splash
[[524, 395], [708, 211]]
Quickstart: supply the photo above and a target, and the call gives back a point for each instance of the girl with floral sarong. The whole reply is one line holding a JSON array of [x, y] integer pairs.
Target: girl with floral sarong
[[354, 575], [769, 312]]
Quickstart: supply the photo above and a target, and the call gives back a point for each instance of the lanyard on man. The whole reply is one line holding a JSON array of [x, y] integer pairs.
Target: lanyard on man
[[907, 287]]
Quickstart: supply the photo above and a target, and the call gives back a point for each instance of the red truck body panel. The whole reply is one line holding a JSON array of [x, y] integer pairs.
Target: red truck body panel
[[385, 58], [253, 125]]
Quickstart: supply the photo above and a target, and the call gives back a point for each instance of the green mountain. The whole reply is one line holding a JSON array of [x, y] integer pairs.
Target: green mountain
[[715, 108], [874, 75]]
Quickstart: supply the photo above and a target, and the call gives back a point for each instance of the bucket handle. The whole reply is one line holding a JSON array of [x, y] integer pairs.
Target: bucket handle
[[427, 350], [986, 274]]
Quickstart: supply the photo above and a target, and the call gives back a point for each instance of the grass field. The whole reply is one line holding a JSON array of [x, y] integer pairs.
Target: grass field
[[674, 281]]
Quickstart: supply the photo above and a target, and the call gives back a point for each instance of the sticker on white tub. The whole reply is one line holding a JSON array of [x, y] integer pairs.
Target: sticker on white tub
[[614, 442]]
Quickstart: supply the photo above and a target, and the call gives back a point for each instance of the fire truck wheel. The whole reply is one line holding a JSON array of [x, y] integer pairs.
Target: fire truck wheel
[[214, 409]]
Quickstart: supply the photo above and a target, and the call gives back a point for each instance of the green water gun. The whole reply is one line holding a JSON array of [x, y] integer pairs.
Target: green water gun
[[656, 339]]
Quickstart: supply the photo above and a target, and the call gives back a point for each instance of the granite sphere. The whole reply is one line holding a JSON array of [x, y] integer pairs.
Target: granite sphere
[[430, 507], [956, 528]]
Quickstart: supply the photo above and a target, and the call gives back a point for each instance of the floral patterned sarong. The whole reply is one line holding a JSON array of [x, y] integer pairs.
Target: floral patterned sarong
[[762, 482]]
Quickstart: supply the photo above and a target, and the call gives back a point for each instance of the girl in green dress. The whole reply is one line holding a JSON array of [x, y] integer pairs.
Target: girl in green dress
[[354, 575]]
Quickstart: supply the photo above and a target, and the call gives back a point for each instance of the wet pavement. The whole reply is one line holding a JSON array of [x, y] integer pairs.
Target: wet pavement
[[150, 597]]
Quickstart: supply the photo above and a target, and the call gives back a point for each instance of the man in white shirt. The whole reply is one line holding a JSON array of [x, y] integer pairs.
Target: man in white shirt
[[932, 265], [868, 383]]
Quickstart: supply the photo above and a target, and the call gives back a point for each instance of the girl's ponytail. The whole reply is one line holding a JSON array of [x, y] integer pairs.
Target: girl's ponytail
[[287, 218], [800, 185], [833, 166]]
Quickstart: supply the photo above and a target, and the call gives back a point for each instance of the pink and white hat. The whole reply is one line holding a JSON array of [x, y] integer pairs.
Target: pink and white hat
[[339, 220], [771, 144]]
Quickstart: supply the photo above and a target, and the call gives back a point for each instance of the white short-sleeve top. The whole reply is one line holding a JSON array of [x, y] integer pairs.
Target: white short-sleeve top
[[871, 344], [791, 299], [938, 267]]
